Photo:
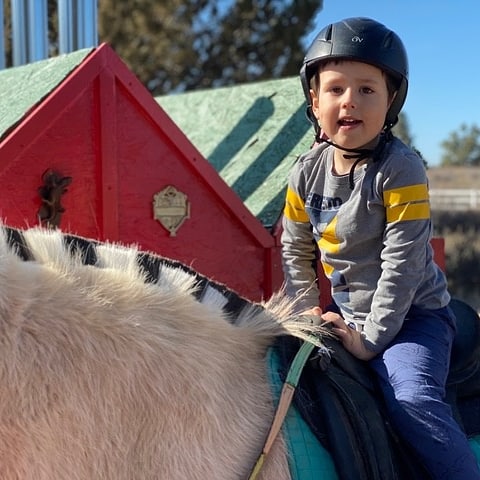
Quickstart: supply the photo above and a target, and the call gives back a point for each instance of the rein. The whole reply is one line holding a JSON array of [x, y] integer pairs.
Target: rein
[[284, 403]]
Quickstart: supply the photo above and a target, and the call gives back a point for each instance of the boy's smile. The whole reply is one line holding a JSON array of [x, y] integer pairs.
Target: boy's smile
[[351, 103]]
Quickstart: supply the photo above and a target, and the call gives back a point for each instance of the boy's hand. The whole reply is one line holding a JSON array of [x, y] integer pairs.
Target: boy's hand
[[350, 338], [312, 311], [314, 314]]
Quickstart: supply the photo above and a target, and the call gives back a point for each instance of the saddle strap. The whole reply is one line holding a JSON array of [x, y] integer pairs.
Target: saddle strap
[[288, 389]]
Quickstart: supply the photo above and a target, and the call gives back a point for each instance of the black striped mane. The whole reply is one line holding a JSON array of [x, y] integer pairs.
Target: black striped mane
[[149, 263]]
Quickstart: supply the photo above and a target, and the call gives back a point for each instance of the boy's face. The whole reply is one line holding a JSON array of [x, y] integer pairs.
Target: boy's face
[[351, 103]]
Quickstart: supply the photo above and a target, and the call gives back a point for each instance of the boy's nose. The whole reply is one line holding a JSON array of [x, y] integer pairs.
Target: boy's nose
[[348, 100]]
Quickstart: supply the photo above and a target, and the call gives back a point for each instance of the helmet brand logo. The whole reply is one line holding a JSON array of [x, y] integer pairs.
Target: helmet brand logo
[[357, 39]]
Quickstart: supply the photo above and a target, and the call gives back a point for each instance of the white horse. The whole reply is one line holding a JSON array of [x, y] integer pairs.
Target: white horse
[[104, 375]]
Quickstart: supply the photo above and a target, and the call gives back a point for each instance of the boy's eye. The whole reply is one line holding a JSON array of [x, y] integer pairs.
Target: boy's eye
[[366, 90], [336, 90]]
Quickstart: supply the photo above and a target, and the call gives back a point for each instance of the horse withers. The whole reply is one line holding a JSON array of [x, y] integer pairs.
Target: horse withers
[[110, 371]]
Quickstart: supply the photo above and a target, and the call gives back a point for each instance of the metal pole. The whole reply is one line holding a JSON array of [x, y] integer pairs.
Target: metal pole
[[19, 44], [77, 24], [77, 28], [37, 31], [2, 37], [65, 26], [88, 29]]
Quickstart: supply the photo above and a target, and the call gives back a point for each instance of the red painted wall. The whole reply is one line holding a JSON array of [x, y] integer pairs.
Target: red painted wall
[[104, 130]]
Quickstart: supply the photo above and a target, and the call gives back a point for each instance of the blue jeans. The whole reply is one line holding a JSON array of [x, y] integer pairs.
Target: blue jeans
[[412, 373]]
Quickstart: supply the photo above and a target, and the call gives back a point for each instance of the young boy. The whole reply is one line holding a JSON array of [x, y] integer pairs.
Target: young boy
[[360, 199]]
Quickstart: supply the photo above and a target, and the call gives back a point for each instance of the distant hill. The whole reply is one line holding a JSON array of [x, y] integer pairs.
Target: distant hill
[[454, 177]]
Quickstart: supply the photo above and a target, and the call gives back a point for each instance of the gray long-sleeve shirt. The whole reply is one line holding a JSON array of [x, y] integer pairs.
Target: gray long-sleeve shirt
[[374, 240]]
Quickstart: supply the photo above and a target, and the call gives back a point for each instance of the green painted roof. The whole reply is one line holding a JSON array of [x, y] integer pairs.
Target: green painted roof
[[24, 87], [252, 134]]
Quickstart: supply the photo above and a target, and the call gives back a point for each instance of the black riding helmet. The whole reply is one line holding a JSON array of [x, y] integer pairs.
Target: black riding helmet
[[363, 40]]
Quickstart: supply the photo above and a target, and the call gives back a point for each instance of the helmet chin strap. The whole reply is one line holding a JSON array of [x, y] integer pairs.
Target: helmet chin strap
[[358, 154]]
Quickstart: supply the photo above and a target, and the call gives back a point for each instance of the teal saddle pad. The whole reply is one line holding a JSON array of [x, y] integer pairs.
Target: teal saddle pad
[[308, 458]]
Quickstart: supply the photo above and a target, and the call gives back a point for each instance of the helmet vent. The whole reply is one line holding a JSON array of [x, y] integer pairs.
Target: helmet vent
[[328, 33]]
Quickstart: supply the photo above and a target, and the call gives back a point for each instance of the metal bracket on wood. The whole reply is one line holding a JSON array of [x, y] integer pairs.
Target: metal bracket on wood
[[50, 213]]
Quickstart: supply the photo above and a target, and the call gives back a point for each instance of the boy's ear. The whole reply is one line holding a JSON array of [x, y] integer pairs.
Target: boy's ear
[[314, 102]]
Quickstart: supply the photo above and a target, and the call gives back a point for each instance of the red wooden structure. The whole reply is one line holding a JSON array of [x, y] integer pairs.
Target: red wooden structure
[[100, 158]]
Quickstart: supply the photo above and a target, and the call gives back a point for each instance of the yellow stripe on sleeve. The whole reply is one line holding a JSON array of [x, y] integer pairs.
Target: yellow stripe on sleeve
[[410, 211], [295, 208], [412, 193], [407, 203]]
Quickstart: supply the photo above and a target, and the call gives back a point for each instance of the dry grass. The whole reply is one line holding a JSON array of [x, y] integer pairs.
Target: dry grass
[[463, 266]]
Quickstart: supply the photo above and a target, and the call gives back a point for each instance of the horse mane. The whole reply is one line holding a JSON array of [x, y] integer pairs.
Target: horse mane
[[54, 246], [68, 253], [118, 364]]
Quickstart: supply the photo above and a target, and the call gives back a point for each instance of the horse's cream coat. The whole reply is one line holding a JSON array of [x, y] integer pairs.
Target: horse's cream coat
[[103, 376]]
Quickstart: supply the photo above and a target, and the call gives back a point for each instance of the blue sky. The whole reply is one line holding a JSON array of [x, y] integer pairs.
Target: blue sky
[[442, 39]]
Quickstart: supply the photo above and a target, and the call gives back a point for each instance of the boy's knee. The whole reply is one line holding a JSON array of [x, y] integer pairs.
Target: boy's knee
[[416, 397], [418, 405]]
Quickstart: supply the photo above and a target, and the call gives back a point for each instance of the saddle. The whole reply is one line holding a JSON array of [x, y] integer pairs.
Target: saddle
[[463, 382], [338, 398]]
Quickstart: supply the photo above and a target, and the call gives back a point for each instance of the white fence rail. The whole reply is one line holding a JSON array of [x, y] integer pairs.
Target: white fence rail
[[455, 199]]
